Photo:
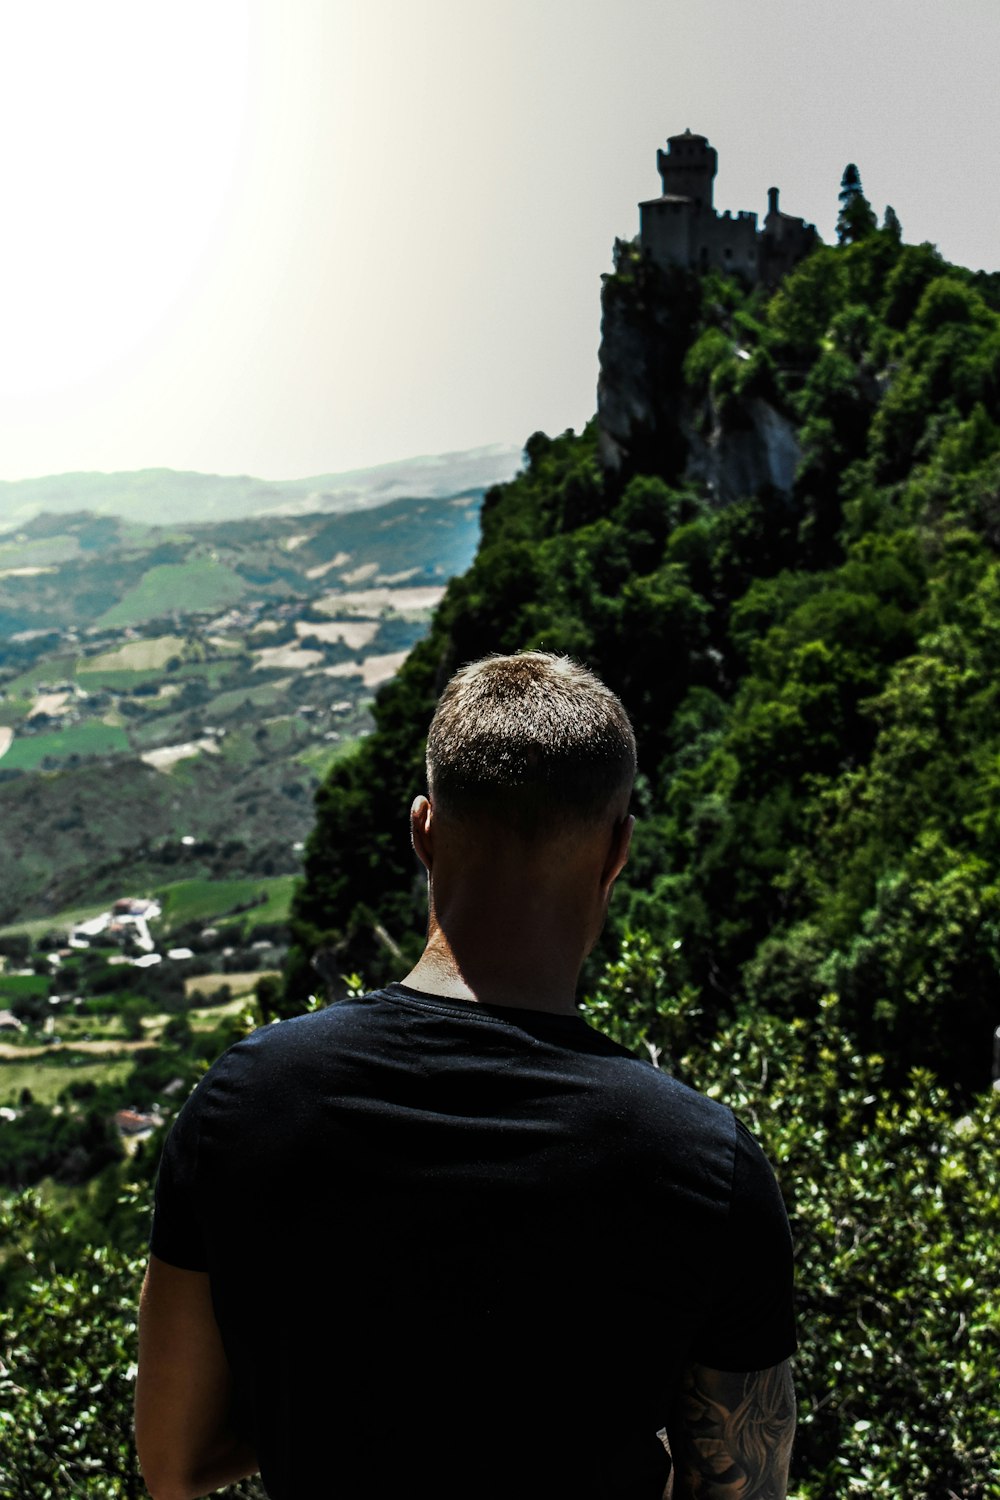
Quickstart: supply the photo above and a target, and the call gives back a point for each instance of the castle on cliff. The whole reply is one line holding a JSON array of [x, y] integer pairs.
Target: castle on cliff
[[682, 227]]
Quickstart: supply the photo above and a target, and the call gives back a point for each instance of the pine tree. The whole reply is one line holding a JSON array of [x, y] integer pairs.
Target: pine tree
[[891, 224], [856, 218]]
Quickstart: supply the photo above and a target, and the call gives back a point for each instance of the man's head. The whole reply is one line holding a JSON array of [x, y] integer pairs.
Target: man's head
[[535, 743]]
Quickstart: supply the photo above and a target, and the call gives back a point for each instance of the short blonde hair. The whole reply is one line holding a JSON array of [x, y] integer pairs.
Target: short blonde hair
[[535, 740]]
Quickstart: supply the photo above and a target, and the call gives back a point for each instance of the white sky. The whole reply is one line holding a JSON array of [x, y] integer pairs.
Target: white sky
[[288, 237]]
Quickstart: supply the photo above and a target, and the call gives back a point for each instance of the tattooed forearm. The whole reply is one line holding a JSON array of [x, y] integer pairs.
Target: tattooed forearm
[[732, 1437]]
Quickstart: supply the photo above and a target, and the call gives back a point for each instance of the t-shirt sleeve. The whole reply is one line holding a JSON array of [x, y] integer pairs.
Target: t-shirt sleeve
[[178, 1235], [751, 1325]]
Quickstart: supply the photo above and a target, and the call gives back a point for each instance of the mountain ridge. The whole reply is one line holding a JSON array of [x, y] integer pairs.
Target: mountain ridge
[[190, 496]]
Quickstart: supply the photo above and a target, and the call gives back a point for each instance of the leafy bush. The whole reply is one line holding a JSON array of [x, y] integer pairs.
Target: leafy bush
[[895, 1212]]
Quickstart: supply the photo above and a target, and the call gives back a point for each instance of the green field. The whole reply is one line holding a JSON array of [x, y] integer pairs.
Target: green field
[[235, 698], [115, 679], [184, 901], [62, 921], [213, 669], [28, 753], [46, 1077], [240, 986], [284, 731], [161, 729], [176, 588], [135, 656], [38, 552], [239, 748], [213, 900], [320, 758], [51, 669], [13, 986]]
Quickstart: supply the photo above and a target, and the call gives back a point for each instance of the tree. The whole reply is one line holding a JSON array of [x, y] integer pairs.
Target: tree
[[856, 218], [891, 224]]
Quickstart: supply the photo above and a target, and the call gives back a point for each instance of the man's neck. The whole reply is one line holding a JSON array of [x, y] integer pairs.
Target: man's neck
[[505, 978]]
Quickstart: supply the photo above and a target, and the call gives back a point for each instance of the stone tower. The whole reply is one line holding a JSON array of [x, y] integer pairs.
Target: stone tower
[[687, 168]]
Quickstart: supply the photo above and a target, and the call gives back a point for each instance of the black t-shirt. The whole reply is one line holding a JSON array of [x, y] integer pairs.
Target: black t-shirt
[[468, 1246]]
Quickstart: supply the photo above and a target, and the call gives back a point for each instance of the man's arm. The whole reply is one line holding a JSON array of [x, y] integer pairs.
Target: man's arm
[[731, 1434], [183, 1394]]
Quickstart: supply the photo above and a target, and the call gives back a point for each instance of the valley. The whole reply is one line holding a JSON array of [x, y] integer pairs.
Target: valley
[[171, 696]]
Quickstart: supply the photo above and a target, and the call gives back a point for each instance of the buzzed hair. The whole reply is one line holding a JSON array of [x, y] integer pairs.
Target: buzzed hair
[[534, 740]]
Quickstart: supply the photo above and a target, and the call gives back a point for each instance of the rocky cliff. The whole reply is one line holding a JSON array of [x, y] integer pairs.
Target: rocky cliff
[[649, 421]]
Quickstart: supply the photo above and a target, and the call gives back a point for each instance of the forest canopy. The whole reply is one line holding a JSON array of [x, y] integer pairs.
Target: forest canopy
[[812, 675]]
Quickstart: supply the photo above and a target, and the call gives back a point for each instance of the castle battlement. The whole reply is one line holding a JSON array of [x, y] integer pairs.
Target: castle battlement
[[682, 227]]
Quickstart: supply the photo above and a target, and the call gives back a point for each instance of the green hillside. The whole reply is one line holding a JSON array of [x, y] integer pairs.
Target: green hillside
[[812, 675], [779, 543], [75, 571], [810, 924], [203, 583]]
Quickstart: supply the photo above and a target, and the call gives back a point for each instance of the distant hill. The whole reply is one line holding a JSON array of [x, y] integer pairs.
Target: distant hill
[[170, 496]]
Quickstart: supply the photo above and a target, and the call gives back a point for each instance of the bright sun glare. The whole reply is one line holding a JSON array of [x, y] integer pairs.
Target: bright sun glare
[[123, 122]]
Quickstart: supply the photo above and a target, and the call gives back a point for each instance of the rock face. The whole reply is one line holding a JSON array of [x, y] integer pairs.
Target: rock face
[[647, 318], [648, 421], [759, 450]]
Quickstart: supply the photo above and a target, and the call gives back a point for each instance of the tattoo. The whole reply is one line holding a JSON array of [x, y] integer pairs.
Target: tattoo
[[733, 1436]]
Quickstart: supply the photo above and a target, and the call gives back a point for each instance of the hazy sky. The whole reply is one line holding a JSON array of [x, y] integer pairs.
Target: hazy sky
[[288, 237]]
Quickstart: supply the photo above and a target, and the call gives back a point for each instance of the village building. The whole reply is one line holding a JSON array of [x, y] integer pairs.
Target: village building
[[137, 1123]]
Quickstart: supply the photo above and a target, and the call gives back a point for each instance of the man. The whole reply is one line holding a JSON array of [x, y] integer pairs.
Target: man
[[448, 1238]]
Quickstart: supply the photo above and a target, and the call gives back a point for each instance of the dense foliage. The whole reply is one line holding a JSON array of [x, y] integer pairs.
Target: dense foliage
[[896, 1210], [810, 927], [812, 674], [896, 1214]]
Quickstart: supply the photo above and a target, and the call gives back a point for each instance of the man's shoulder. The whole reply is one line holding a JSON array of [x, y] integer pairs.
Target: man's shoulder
[[659, 1089], [293, 1034], [341, 1045]]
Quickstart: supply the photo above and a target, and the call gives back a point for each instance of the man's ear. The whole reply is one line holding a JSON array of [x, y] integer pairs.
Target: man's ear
[[420, 831], [618, 847]]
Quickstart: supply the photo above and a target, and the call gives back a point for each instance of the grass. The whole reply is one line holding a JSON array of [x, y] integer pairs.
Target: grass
[[321, 757], [240, 748], [283, 731], [211, 669], [114, 679], [47, 1079], [51, 669], [136, 656], [14, 985], [27, 754], [108, 1026], [187, 901], [280, 890], [60, 922], [161, 729], [176, 588], [207, 985], [39, 552], [207, 1017], [236, 698]]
